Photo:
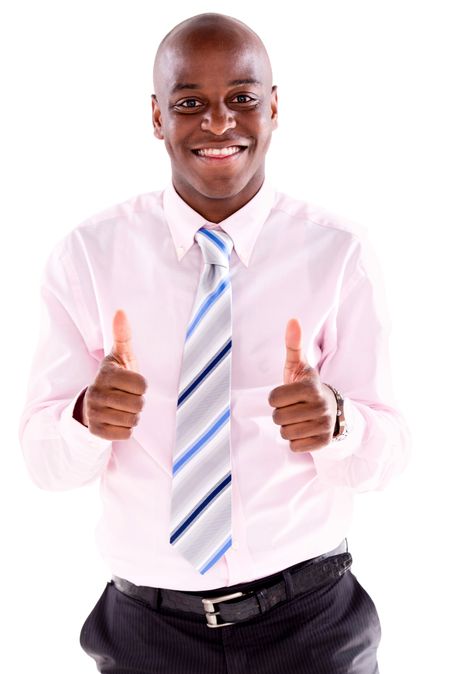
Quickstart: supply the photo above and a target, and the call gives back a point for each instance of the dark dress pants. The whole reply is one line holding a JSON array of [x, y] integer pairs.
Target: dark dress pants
[[331, 630]]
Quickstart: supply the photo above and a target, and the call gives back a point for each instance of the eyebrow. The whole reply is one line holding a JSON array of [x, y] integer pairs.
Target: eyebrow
[[191, 85]]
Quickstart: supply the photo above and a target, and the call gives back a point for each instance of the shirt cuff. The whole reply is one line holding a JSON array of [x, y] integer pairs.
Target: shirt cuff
[[75, 433]]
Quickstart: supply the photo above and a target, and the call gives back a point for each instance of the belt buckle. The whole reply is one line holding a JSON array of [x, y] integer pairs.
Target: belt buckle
[[211, 614]]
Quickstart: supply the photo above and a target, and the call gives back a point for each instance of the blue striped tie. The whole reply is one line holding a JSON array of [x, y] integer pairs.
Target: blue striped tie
[[200, 521]]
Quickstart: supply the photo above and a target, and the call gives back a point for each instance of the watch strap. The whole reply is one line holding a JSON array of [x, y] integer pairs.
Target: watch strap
[[340, 428]]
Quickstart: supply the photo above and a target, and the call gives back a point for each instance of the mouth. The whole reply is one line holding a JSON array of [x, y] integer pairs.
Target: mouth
[[225, 154]]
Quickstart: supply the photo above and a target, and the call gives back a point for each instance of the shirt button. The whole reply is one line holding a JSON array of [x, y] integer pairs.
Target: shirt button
[[235, 545], [180, 250]]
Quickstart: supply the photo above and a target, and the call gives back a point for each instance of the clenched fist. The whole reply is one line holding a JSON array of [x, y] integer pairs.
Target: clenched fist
[[305, 408], [112, 403]]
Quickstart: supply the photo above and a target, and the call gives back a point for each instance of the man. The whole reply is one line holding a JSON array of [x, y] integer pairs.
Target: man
[[227, 489]]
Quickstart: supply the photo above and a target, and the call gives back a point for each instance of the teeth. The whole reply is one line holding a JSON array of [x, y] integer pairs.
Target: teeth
[[216, 152]]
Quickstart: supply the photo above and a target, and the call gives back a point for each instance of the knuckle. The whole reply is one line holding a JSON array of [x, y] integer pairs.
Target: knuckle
[[106, 368], [106, 399], [320, 441], [137, 380], [317, 383], [295, 446], [122, 433], [92, 393], [328, 421], [99, 397], [322, 405], [89, 411], [98, 429]]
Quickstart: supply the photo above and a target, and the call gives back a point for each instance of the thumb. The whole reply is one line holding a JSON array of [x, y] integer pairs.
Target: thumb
[[296, 364], [122, 351]]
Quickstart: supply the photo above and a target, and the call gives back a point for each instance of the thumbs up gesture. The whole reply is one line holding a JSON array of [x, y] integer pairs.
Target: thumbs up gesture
[[304, 407], [111, 405]]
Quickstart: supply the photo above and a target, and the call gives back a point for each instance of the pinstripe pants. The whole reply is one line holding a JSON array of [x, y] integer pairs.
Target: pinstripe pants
[[332, 630]]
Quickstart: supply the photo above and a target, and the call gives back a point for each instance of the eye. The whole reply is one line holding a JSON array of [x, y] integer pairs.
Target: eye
[[188, 100], [244, 96]]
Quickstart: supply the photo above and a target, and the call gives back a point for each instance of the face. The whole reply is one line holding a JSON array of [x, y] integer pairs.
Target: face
[[215, 97]]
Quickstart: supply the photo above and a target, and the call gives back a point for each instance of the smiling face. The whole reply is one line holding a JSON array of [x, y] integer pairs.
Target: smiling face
[[215, 108]]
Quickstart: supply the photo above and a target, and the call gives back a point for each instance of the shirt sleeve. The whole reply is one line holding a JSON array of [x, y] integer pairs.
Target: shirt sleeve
[[356, 361], [60, 453]]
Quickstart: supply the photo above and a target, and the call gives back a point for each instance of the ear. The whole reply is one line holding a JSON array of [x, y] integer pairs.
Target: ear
[[156, 118], [274, 106]]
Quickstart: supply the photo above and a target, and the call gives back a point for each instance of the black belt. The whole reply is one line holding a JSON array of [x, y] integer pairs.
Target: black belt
[[263, 593]]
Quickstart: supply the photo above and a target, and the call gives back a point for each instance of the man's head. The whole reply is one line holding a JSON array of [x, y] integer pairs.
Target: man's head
[[213, 89]]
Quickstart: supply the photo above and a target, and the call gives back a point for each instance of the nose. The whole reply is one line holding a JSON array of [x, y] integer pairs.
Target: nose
[[217, 120]]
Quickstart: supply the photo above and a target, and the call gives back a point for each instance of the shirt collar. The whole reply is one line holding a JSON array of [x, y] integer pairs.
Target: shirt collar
[[243, 225]]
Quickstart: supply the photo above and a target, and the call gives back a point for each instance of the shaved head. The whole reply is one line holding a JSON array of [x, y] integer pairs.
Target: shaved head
[[214, 96], [220, 29]]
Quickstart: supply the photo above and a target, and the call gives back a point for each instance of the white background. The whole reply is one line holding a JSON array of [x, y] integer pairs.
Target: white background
[[363, 132]]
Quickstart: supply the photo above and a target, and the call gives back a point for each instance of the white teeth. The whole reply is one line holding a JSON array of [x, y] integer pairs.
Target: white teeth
[[218, 152]]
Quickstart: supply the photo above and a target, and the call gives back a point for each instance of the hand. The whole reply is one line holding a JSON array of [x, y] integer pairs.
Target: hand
[[304, 407], [112, 403]]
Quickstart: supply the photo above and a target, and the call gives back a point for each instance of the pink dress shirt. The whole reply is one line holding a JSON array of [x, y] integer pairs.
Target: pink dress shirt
[[290, 260]]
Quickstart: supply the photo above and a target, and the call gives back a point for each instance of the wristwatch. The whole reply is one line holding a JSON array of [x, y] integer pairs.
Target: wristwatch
[[340, 428]]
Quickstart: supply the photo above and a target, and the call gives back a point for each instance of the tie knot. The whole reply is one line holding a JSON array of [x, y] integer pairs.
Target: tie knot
[[215, 245]]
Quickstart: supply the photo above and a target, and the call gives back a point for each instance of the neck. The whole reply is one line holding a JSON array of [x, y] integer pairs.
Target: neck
[[216, 209]]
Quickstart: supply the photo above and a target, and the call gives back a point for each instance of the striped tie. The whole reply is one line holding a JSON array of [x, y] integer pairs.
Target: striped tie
[[200, 520]]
